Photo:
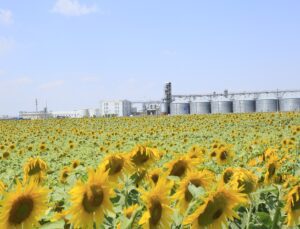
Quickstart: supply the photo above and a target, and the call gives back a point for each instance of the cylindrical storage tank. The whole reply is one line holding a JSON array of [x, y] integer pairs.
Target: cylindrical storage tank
[[222, 107], [164, 108], [200, 107], [179, 108], [243, 106], [289, 104], [266, 105]]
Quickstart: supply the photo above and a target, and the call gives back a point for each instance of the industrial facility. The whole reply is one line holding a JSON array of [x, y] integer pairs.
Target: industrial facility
[[222, 103]]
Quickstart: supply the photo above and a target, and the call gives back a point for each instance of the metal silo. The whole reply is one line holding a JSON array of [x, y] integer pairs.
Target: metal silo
[[221, 107], [266, 105], [164, 108], [180, 108], [243, 106], [200, 107], [289, 104]]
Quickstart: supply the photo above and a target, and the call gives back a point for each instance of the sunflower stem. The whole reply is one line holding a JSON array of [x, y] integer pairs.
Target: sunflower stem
[[249, 215], [276, 218]]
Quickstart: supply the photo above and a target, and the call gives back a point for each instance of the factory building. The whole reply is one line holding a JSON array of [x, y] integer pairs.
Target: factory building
[[115, 108], [82, 113], [146, 108]]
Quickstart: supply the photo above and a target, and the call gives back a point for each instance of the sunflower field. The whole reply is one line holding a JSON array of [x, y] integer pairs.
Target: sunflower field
[[196, 171]]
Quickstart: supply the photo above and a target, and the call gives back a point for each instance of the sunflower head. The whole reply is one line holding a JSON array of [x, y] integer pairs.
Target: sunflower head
[[224, 155], [65, 173], [272, 167], [75, 164], [216, 209], [180, 166], [35, 168], [292, 206], [90, 200], [117, 165], [157, 202], [142, 156], [244, 180], [204, 179], [23, 207]]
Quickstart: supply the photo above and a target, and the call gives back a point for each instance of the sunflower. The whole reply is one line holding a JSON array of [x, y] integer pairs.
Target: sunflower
[[180, 166], [199, 179], [154, 175], [216, 209], [292, 206], [35, 168], [90, 200], [75, 164], [224, 155], [227, 175], [23, 207], [272, 167], [64, 175], [157, 201], [117, 165], [244, 180], [142, 156]]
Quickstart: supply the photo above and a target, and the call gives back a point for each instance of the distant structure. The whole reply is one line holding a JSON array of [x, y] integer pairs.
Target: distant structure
[[115, 108], [242, 102], [215, 103]]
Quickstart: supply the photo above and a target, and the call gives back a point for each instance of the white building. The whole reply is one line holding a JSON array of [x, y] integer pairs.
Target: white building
[[117, 108], [32, 115], [71, 114]]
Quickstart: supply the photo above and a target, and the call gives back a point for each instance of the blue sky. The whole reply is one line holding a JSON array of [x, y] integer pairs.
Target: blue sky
[[73, 53]]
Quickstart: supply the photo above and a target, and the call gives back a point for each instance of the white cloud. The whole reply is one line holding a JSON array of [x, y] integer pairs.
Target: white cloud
[[51, 85], [6, 17], [6, 44], [73, 8]]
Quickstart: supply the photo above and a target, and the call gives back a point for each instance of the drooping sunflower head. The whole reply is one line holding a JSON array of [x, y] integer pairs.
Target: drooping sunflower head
[[196, 152], [271, 167], [35, 168], [244, 180], [23, 207], [180, 166], [117, 165], [292, 206], [157, 202], [216, 209], [90, 200], [142, 156], [65, 173], [203, 179]]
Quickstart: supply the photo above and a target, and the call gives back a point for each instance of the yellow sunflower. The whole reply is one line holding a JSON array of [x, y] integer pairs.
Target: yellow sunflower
[[292, 206], [224, 155], [244, 180], [128, 212], [23, 207], [35, 168], [180, 166], [216, 209], [142, 156], [75, 164], [227, 175], [90, 200], [272, 167], [202, 179], [158, 211], [154, 175], [117, 165], [64, 175]]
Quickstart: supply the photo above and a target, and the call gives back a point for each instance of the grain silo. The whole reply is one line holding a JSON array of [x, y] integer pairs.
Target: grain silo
[[266, 105], [289, 104], [179, 108], [243, 106], [221, 106], [200, 107]]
